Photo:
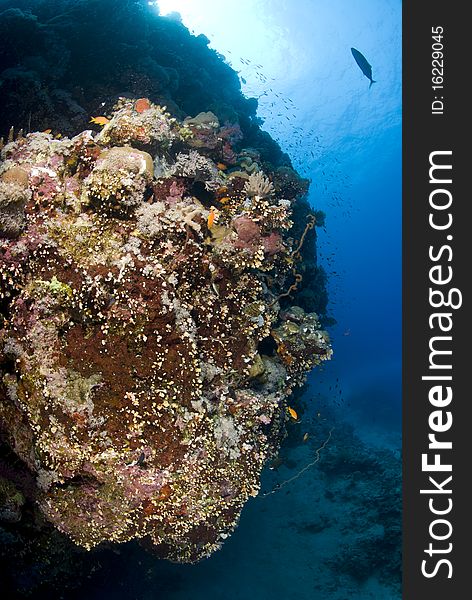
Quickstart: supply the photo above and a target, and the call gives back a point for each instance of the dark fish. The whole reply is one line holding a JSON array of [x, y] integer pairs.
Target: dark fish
[[141, 460], [363, 65]]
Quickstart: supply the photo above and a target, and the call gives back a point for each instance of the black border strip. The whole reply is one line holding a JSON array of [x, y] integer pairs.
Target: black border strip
[[449, 253]]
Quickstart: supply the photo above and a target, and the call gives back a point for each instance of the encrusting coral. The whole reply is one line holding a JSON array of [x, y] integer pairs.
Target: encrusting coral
[[146, 360]]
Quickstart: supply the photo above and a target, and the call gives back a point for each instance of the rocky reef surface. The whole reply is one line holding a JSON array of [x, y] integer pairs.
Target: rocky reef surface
[[149, 337], [160, 296]]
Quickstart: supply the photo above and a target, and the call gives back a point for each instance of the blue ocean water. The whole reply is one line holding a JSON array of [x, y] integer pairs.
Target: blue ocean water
[[331, 531], [345, 137]]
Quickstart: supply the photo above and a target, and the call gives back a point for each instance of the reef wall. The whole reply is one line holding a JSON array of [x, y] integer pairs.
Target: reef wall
[[146, 357], [62, 61], [151, 331]]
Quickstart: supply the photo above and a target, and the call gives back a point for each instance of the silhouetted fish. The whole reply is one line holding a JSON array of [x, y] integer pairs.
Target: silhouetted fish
[[363, 65]]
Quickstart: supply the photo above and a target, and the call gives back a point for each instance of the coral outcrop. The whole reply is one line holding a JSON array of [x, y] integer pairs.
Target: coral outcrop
[[61, 62], [150, 335]]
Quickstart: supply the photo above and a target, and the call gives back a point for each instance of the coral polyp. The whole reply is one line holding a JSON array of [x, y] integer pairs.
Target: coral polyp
[[146, 357]]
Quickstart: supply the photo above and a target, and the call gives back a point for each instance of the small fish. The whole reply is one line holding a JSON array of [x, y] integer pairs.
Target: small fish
[[141, 459], [363, 65], [139, 462], [99, 120], [305, 437], [293, 413], [142, 104], [111, 302], [165, 492], [47, 131], [211, 219], [221, 166]]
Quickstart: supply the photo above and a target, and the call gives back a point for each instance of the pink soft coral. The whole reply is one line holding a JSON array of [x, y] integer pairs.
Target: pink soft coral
[[247, 230], [272, 243], [175, 193]]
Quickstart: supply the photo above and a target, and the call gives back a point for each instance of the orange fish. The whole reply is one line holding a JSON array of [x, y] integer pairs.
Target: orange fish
[[99, 120], [225, 200], [211, 219], [47, 131], [221, 166], [293, 413], [141, 105], [165, 492]]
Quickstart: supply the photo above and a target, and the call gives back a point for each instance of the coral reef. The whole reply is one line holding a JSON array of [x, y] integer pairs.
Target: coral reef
[[63, 61], [148, 341], [14, 194]]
